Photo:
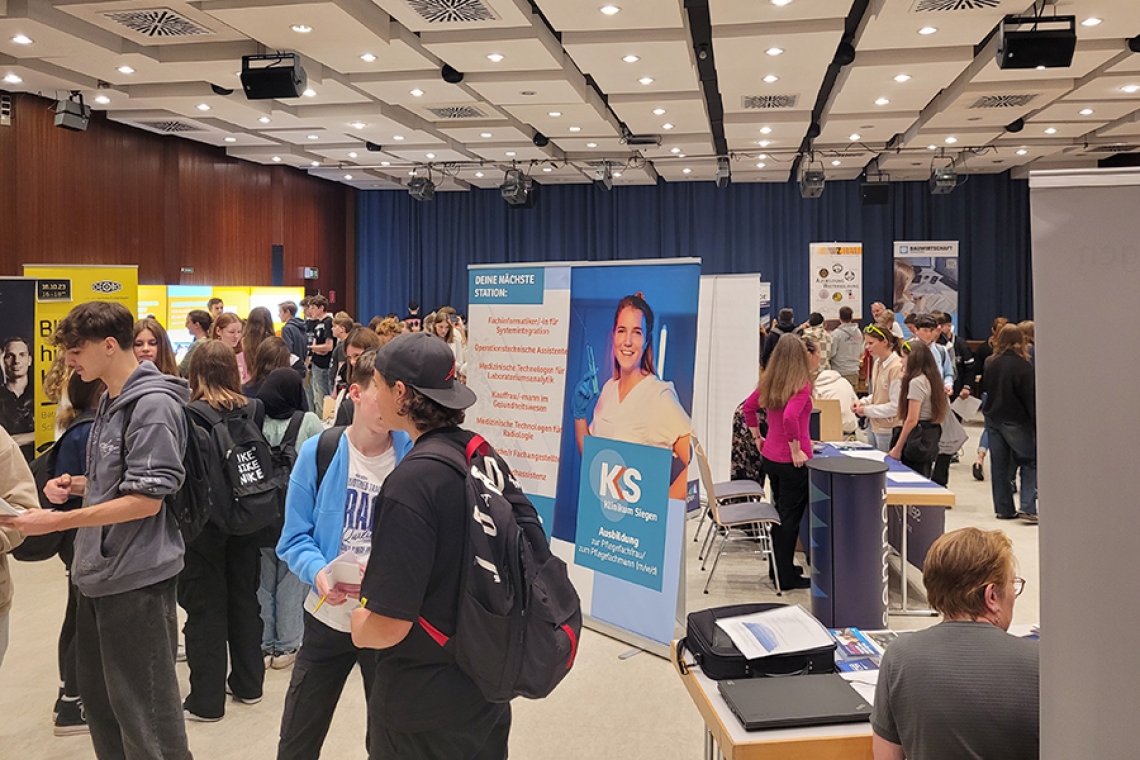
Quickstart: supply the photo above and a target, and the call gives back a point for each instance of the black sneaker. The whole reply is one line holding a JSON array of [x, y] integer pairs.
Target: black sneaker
[[978, 471], [69, 718]]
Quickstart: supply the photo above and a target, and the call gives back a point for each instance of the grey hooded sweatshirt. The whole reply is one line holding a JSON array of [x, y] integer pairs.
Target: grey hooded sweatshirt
[[134, 452]]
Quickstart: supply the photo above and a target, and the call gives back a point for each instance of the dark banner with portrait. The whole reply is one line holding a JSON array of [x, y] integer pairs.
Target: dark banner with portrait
[[17, 356]]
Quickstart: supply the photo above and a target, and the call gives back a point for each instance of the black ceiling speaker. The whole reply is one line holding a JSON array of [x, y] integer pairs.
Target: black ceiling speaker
[[1031, 42], [814, 130], [450, 75], [1015, 126], [1134, 44], [282, 77], [373, 147], [540, 140], [221, 90], [875, 193], [845, 53]]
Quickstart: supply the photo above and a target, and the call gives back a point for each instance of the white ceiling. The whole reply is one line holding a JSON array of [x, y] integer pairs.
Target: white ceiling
[[584, 78]]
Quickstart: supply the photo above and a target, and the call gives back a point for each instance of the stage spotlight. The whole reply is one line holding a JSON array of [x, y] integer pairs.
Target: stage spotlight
[[517, 189], [421, 188], [604, 177], [811, 183], [71, 113], [723, 172], [943, 180]]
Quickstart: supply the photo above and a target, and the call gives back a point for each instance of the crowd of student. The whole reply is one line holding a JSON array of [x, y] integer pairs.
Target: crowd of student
[[273, 593]]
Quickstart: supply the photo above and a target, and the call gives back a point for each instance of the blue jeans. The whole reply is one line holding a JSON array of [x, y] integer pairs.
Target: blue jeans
[[282, 598], [881, 441], [1013, 447], [316, 388]]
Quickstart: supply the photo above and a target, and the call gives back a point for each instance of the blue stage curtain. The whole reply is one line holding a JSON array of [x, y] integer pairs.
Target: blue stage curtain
[[410, 250]]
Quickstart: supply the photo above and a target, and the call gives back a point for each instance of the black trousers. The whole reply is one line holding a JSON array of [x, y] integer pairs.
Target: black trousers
[[940, 473], [126, 673], [485, 739], [68, 656], [323, 664], [789, 486], [218, 590]]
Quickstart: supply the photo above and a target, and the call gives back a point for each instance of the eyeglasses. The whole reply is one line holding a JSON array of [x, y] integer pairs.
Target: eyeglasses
[[1018, 586], [871, 329]]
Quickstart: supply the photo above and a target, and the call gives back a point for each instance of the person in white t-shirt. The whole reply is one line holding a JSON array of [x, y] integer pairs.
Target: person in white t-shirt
[[329, 517], [634, 405]]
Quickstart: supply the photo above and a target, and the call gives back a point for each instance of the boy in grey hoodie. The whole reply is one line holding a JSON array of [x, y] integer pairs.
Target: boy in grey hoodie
[[128, 549]]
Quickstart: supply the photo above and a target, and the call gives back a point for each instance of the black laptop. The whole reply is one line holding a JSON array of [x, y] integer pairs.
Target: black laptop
[[794, 701]]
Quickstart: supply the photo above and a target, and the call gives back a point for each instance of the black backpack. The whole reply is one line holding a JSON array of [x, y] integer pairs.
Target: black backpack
[[39, 548], [519, 617], [246, 484]]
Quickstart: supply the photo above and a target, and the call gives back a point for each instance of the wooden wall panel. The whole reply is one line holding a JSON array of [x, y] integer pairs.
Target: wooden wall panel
[[119, 195]]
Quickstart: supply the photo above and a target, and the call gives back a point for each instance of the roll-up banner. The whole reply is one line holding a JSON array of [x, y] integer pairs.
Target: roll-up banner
[[584, 375], [60, 288], [836, 278], [22, 370], [926, 278]]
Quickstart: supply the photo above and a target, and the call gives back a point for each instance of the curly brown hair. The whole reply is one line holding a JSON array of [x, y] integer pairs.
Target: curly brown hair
[[425, 414]]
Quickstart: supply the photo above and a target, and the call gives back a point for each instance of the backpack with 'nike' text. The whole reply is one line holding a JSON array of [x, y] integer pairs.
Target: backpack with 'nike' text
[[519, 617]]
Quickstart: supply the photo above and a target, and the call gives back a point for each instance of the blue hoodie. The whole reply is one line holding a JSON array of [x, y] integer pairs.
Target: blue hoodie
[[314, 520]]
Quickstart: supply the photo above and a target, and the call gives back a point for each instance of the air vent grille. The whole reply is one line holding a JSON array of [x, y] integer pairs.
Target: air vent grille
[[1003, 101], [768, 102], [458, 112], [941, 6], [159, 22], [452, 11], [168, 126], [1112, 148]]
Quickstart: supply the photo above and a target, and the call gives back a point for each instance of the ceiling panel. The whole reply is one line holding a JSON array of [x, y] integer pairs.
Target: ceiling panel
[[742, 64], [898, 22], [488, 132], [865, 87], [586, 15], [524, 49], [744, 12], [872, 129], [685, 111], [474, 16], [413, 89], [1071, 110], [664, 61], [522, 88], [121, 18], [776, 131], [557, 120], [1084, 61]]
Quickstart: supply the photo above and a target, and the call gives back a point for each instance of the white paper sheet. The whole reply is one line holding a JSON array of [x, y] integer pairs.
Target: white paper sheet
[[872, 454], [9, 510], [906, 477], [864, 682], [966, 408], [780, 631]]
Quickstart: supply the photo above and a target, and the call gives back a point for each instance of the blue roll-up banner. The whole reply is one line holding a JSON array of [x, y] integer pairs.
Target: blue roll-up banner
[[584, 374]]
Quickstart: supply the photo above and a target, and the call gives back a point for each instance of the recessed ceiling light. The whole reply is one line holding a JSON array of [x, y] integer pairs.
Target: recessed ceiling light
[[1050, 130], [352, 154], [902, 78], [495, 57], [230, 139], [13, 79], [126, 70], [555, 114], [310, 93], [631, 59], [686, 170], [385, 163], [368, 58], [951, 140], [646, 80], [771, 78], [348, 176], [479, 174], [836, 162], [763, 156], [666, 126], [932, 147], [358, 125], [855, 137], [774, 51], [547, 169], [203, 106], [511, 154], [1022, 152], [765, 130], [1040, 68], [313, 137], [264, 119], [1085, 112], [575, 129], [591, 145], [485, 135], [761, 165], [301, 28], [277, 159], [1091, 21], [314, 163], [412, 173], [416, 93], [1131, 88], [610, 10], [763, 143], [22, 39], [617, 175], [882, 102], [431, 155], [658, 111], [927, 30], [675, 150], [102, 99], [680, 155], [397, 137], [780, 3]]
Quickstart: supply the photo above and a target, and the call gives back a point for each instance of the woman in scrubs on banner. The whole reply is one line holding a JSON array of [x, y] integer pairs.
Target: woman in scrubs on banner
[[634, 405]]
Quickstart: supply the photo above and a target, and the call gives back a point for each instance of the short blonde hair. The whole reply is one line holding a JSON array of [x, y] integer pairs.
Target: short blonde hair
[[959, 566]]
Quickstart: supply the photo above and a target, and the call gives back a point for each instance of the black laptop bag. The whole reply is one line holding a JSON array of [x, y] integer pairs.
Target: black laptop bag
[[719, 659]]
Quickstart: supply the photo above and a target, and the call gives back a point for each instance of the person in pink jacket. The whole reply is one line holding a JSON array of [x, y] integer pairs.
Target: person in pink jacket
[[785, 392]]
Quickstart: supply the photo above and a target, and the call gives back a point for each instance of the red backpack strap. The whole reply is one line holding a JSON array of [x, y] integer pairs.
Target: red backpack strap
[[477, 445]]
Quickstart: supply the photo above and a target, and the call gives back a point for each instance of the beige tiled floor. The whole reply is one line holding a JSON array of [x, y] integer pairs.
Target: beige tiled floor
[[607, 708]]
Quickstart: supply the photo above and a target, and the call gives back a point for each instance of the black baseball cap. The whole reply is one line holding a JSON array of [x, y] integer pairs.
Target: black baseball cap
[[425, 362]]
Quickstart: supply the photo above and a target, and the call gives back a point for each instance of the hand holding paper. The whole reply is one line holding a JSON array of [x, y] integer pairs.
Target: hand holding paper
[[340, 580]]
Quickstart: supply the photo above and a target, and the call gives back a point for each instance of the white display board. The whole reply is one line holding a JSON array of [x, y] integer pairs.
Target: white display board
[[728, 361], [836, 278]]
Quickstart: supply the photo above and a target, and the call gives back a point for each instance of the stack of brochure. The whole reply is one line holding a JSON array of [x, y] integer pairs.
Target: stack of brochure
[[858, 650]]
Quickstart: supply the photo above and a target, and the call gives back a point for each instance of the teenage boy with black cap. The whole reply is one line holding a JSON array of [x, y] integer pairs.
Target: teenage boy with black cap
[[423, 705]]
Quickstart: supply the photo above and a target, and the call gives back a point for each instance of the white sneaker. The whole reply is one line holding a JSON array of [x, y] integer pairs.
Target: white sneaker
[[284, 660], [180, 655], [198, 718]]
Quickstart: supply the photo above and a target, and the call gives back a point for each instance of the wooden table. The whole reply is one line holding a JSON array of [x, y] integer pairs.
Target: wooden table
[[724, 733]]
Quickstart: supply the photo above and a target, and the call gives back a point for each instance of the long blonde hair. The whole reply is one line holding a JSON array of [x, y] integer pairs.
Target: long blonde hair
[[1011, 339], [786, 374]]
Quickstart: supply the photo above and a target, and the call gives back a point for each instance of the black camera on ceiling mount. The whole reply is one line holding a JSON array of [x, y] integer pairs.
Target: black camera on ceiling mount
[[450, 75]]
